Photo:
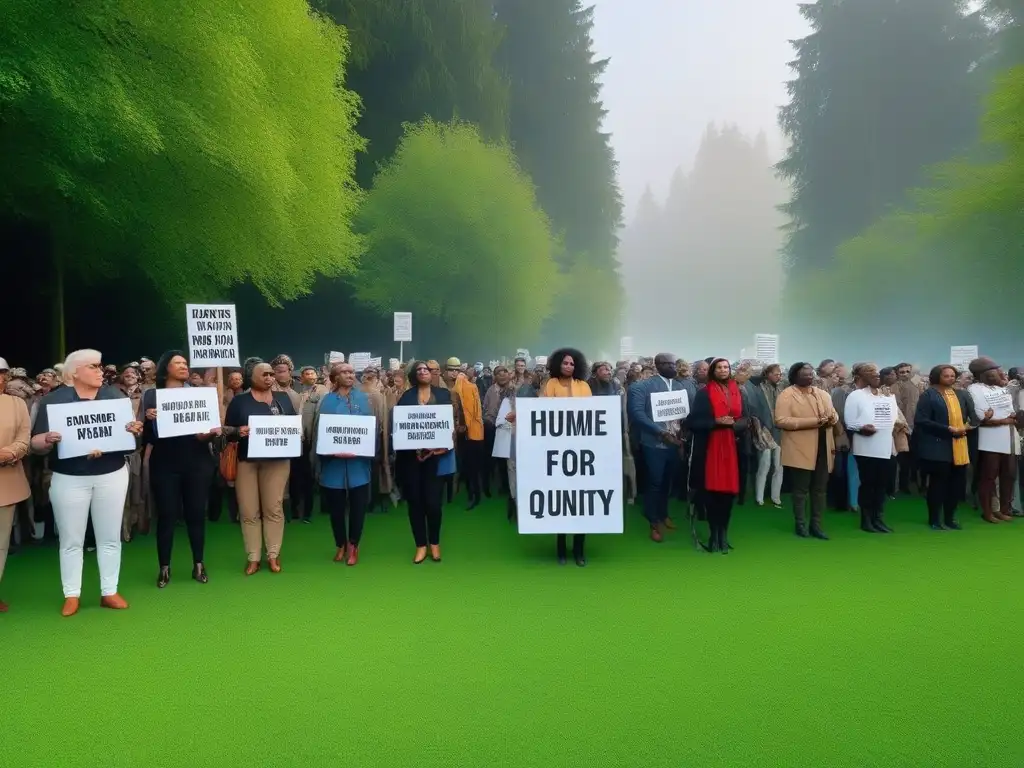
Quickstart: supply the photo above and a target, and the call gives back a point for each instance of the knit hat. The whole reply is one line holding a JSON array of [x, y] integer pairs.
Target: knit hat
[[979, 365]]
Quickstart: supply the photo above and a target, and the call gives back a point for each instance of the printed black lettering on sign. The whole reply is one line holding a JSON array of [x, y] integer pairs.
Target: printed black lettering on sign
[[191, 417], [211, 314], [672, 408], [574, 503], [347, 431], [569, 423], [92, 418], [424, 425], [94, 433]]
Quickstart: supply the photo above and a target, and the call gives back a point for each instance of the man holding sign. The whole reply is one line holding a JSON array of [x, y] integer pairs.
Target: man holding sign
[[658, 406], [870, 414]]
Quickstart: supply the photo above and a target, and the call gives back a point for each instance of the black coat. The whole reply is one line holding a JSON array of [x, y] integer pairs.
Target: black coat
[[701, 422], [932, 440], [406, 462]]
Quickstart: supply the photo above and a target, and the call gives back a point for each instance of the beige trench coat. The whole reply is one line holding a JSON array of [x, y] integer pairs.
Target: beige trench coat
[[796, 413]]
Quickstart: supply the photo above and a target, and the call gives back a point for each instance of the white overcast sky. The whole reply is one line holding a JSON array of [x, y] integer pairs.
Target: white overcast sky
[[677, 65]]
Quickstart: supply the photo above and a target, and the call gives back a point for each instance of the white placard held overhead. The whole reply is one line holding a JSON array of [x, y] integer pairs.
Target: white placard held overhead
[[670, 406], [394, 364], [336, 357], [540, 360], [569, 464], [375, 362], [878, 445], [186, 411], [275, 437], [360, 361], [403, 326], [345, 433], [212, 335], [502, 432], [92, 425], [426, 427], [960, 357], [766, 347]]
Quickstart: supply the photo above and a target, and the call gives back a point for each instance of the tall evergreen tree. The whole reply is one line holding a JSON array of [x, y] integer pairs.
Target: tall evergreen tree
[[882, 90]]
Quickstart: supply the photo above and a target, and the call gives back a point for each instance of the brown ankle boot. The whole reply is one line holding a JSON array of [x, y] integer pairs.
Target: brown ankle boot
[[70, 606], [275, 564], [115, 602], [251, 567]]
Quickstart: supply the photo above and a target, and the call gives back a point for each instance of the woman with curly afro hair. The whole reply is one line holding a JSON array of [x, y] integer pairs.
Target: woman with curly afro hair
[[568, 370]]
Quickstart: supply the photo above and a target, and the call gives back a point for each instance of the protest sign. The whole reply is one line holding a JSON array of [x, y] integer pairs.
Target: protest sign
[[212, 335], [569, 465], [275, 437], [375, 362], [394, 364], [345, 433], [502, 432], [883, 417], [960, 357], [403, 326], [186, 411], [540, 360], [92, 425], [670, 406], [994, 439], [766, 347], [360, 361], [426, 427], [336, 357]]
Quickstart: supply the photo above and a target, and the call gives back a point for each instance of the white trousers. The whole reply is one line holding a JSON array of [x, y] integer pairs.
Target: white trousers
[[74, 499], [771, 458]]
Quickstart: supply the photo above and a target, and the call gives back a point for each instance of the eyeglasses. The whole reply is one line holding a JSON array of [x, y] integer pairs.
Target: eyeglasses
[[421, 369]]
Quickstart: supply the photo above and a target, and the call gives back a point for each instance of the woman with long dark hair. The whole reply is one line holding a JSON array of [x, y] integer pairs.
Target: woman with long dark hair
[[568, 370], [718, 416], [418, 470], [180, 473]]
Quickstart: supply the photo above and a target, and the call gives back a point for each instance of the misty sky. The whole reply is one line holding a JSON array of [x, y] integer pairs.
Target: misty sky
[[677, 65]]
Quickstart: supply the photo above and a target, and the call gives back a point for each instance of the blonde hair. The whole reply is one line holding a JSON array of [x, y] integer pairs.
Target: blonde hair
[[77, 359]]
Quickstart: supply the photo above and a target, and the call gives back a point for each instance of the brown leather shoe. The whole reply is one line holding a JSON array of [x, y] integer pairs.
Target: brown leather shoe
[[656, 533], [670, 524], [435, 553], [339, 555], [70, 606], [990, 518], [275, 564], [353, 555], [3, 607], [251, 567], [115, 602], [1005, 518]]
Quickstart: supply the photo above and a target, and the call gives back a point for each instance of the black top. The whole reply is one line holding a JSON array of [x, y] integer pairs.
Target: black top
[[932, 440], [407, 465], [184, 452], [701, 422], [80, 466], [245, 405]]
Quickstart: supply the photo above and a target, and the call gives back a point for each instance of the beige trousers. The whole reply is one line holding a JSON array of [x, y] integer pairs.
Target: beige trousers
[[260, 487], [6, 524]]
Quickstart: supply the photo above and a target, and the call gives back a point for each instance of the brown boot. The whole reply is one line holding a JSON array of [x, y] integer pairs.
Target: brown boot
[[275, 564], [353, 555], [656, 533], [251, 567], [70, 606], [114, 602]]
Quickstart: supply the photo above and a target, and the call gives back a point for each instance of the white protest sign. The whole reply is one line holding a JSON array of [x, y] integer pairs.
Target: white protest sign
[[524, 354], [212, 335], [502, 432], [394, 364], [766, 347], [670, 406], [345, 433], [375, 362], [994, 439], [275, 437], [426, 427], [541, 360], [961, 357], [878, 445], [403, 326], [360, 361], [336, 357], [569, 464], [92, 425], [494, 364], [626, 348], [186, 411]]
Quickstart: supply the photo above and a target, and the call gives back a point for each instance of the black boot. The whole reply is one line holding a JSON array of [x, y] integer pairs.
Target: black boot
[[577, 550], [951, 524], [865, 522], [879, 523], [799, 506], [560, 548], [164, 577], [933, 521], [817, 533], [510, 511], [800, 529]]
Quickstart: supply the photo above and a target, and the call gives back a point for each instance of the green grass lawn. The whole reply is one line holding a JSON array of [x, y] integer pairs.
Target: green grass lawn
[[867, 650]]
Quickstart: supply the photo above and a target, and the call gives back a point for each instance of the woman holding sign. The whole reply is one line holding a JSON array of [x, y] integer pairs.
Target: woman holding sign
[[260, 483], [90, 477], [719, 414], [180, 473], [418, 470], [343, 475]]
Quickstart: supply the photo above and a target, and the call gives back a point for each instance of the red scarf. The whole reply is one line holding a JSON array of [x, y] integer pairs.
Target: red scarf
[[722, 468]]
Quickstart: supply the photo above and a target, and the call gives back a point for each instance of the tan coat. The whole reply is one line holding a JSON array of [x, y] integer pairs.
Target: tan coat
[[15, 433], [795, 413]]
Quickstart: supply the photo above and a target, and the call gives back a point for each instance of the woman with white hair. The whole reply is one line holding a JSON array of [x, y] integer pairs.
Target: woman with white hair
[[85, 486]]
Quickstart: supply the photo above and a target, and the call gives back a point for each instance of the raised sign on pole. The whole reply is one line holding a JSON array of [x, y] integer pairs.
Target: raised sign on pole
[[766, 347], [212, 335], [403, 326]]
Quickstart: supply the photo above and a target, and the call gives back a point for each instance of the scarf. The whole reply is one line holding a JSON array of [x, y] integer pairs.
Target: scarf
[[722, 468], [961, 457]]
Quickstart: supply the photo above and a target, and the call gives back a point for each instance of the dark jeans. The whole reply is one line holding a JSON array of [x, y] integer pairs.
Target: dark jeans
[[422, 493], [353, 501], [996, 469], [578, 541], [874, 476], [470, 457], [946, 487], [662, 468], [180, 491], [908, 468], [300, 488], [743, 461], [810, 482]]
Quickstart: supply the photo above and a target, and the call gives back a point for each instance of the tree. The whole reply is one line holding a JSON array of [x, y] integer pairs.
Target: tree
[[555, 118], [882, 90], [454, 234], [202, 146]]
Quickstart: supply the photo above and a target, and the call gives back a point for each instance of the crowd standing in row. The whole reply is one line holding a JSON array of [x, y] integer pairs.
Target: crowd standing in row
[[746, 424]]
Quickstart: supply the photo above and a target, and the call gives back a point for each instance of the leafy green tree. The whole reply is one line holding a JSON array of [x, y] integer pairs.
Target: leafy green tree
[[201, 144], [454, 234]]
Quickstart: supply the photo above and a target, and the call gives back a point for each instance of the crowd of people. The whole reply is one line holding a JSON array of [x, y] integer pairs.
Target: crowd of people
[[955, 437]]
